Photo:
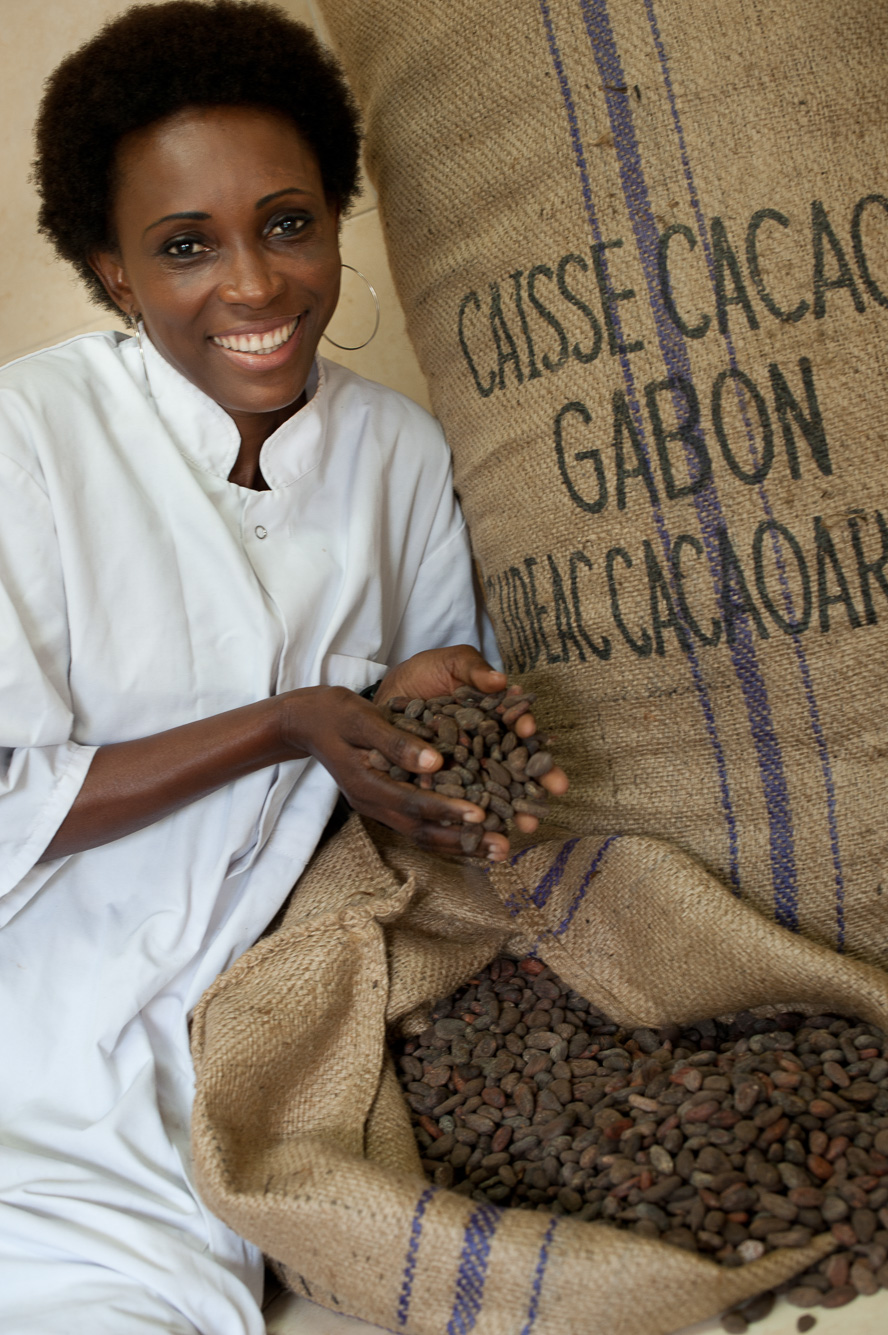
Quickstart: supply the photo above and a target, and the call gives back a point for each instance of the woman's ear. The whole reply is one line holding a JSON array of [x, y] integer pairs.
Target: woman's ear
[[108, 268]]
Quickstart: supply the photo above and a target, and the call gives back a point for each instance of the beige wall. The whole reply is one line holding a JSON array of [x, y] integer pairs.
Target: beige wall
[[40, 300]]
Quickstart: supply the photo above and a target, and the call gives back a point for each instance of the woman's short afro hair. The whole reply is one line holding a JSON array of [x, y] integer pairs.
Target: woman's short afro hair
[[157, 59]]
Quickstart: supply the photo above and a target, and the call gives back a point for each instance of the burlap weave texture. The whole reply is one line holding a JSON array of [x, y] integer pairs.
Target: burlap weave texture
[[302, 1141], [643, 252]]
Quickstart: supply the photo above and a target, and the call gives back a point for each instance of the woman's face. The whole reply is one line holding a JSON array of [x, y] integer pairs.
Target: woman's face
[[228, 248]]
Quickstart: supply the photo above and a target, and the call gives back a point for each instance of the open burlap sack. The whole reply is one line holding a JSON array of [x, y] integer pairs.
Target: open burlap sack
[[302, 1141], [643, 253]]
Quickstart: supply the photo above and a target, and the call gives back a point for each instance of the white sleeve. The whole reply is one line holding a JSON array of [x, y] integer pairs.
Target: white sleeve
[[41, 766], [445, 605]]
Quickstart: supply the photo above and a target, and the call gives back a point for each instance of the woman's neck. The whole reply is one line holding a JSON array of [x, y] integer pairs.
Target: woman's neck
[[255, 428]]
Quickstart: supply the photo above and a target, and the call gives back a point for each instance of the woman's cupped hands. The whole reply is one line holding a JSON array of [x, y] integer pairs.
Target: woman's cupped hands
[[340, 729]]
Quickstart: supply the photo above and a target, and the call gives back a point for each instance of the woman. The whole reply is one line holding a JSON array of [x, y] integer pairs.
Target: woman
[[211, 541]]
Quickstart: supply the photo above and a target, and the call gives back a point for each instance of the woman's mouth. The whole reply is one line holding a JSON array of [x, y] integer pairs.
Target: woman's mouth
[[258, 344]]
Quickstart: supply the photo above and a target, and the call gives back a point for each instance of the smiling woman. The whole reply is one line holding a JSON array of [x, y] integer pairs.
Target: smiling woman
[[235, 292], [211, 541]]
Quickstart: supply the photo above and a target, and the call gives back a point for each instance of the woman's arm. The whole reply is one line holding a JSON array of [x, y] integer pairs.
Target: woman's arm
[[133, 784]]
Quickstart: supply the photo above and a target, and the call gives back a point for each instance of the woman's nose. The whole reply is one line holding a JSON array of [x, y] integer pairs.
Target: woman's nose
[[250, 279]]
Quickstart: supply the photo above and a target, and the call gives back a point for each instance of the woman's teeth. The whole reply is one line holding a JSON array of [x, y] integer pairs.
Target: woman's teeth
[[261, 343]]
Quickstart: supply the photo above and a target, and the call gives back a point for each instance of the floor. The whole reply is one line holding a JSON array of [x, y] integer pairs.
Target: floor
[[289, 1315]]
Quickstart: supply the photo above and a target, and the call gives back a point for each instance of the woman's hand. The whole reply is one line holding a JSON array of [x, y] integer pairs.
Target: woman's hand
[[344, 729], [440, 672], [340, 729]]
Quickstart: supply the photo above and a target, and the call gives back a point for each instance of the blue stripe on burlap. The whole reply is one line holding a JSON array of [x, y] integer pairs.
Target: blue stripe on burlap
[[552, 877], [632, 399], [583, 887], [575, 904], [709, 513], [412, 1250], [472, 1273], [804, 669], [513, 902], [536, 1288]]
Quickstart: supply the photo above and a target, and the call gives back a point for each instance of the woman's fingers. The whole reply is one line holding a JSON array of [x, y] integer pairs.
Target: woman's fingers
[[440, 671], [556, 781], [426, 818], [395, 745], [418, 803], [425, 806], [448, 842], [483, 677], [360, 746]]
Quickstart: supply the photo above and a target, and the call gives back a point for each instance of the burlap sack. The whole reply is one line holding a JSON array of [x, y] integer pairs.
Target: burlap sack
[[643, 252], [302, 1141]]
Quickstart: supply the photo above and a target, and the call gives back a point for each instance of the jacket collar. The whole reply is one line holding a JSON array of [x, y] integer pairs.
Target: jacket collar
[[208, 437]]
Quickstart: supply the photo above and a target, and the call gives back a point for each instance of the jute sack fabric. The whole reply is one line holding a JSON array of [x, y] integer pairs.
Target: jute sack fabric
[[302, 1141], [643, 253]]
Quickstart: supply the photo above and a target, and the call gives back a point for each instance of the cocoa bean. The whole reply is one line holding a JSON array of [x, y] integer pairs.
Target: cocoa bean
[[412, 725], [470, 837], [804, 1295], [538, 765], [838, 1297], [497, 772], [501, 808]]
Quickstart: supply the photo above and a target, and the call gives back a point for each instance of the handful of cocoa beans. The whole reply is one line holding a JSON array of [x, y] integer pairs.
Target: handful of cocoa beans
[[485, 761]]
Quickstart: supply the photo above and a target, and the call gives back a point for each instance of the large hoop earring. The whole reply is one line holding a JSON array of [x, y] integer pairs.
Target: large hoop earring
[[344, 347]]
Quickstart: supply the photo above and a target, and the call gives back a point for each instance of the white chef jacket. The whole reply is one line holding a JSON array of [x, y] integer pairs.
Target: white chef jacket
[[139, 590]]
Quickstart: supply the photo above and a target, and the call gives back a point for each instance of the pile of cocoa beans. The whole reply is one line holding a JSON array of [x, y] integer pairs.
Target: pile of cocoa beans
[[725, 1139]]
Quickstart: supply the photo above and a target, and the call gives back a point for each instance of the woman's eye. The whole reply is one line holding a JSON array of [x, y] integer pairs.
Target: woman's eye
[[184, 247], [291, 224]]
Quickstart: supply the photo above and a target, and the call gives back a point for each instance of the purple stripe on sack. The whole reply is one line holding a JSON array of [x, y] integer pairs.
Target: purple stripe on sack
[[537, 1285], [583, 887], [412, 1250], [472, 1271], [632, 399], [552, 878], [577, 900], [805, 671], [675, 356]]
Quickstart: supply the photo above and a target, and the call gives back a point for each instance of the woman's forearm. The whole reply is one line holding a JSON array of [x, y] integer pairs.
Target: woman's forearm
[[133, 784]]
